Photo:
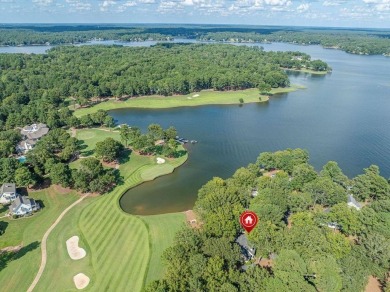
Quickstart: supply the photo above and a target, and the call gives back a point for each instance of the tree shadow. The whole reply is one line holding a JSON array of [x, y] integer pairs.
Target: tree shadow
[[40, 203], [8, 256], [119, 180], [3, 227], [88, 153], [3, 209], [125, 156]]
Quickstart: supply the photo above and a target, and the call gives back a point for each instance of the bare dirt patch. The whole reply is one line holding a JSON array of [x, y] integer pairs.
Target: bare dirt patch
[[11, 249], [75, 252], [113, 164], [81, 281], [265, 263], [61, 190], [373, 285], [191, 219]]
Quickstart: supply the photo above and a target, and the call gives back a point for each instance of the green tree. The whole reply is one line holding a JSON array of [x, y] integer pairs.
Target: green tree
[[371, 185], [6, 148], [125, 134], [291, 270], [327, 274], [23, 177], [108, 149], [170, 133], [325, 192], [302, 174], [155, 131], [334, 172], [61, 174]]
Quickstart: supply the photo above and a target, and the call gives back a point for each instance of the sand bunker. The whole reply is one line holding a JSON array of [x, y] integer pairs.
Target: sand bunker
[[81, 281], [195, 95], [160, 160], [75, 252]]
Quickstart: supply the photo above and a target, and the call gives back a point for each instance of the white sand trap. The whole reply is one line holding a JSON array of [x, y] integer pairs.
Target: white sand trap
[[189, 97], [195, 95], [75, 252], [160, 160], [81, 281]]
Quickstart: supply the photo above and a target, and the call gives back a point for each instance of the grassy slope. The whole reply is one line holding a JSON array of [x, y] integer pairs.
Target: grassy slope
[[204, 98], [18, 274], [162, 229], [117, 244]]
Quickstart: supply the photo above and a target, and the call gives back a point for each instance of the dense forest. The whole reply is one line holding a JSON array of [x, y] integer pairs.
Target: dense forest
[[25, 37], [307, 238], [34, 88], [356, 41], [348, 42]]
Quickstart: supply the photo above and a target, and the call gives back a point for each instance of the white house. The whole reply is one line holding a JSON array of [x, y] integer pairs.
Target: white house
[[7, 193], [23, 206], [31, 135], [353, 203]]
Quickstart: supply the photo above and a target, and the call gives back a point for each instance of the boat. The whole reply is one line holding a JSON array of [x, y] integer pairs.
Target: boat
[[194, 141]]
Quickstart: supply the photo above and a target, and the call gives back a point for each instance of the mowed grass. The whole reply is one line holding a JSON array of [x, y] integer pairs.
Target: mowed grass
[[194, 99], [17, 274], [118, 245], [89, 138], [162, 230]]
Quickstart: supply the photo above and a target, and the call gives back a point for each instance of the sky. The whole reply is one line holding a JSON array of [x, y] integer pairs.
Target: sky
[[329, 13]]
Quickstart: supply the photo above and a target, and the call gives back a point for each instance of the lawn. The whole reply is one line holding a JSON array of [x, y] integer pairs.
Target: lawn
[[162, 230], [194, 99], [119, 246], [89, 138], [17, 274]]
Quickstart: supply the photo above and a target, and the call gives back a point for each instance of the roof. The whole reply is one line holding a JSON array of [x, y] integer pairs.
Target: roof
[[22, 200], [351, 200], [8, 188], [35, 131], [247, 250]]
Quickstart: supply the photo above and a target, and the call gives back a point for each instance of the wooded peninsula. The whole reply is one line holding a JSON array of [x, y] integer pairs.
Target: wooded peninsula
[[37, 88], [355, 41]]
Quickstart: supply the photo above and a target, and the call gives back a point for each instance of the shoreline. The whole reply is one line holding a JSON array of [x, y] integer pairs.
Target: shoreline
[[201, 98], [177, 162]]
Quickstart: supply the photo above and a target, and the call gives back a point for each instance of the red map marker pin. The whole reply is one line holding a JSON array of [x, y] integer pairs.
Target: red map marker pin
[[248, 220]]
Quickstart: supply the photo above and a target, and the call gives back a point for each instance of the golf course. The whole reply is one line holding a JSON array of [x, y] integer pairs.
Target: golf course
[[122, 251], [205, 97]]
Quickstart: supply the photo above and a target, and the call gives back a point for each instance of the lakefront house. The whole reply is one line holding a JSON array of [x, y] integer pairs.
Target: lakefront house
[[31, 135], [7, 193]]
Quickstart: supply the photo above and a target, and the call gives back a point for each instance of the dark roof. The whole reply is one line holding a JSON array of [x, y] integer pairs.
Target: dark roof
[[8, 188], [22, 200], [247, 250]]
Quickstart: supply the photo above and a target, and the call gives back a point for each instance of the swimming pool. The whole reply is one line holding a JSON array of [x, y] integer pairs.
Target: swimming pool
[[22, 159]]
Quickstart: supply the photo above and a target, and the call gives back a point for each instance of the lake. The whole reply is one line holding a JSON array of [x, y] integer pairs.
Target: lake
[[343, 116]]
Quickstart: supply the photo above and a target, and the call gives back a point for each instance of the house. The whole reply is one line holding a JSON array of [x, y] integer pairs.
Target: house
[[353, 203], [271, 173], [31, 135], [7, 193], [247, 251], [23, 206]]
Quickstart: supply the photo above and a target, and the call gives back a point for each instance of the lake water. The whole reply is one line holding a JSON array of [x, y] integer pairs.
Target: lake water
[[343, 116], [43, 49]]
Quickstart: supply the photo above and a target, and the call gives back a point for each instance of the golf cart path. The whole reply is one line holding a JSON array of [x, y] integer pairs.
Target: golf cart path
[[44, 243]]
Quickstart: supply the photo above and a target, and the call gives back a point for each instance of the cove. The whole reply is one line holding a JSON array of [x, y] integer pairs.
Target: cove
[[343, 116]]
